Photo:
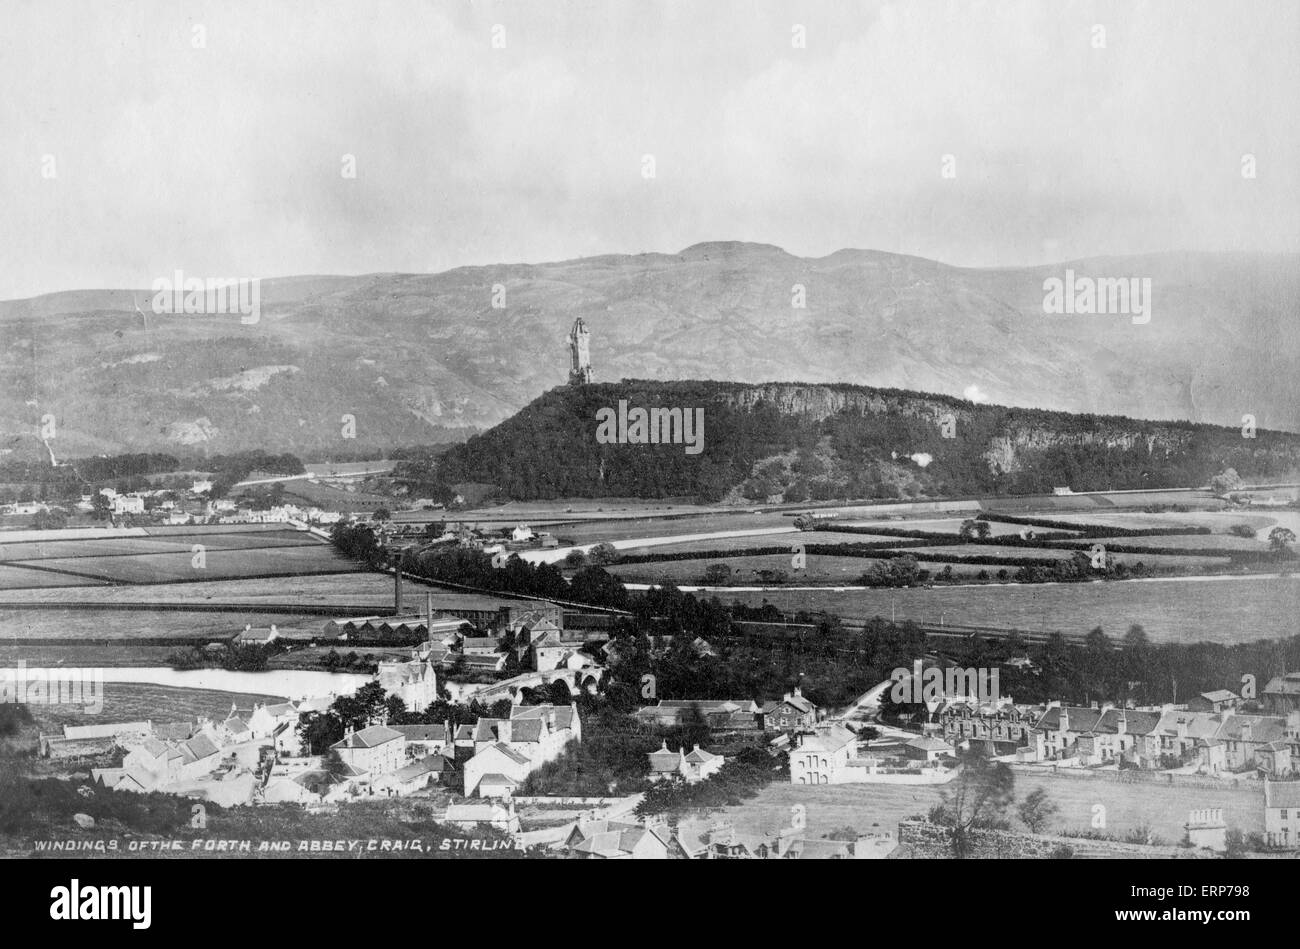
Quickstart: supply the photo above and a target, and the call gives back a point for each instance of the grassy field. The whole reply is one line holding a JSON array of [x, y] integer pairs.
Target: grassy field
[[20, 578], [137, 701], [1177, 610], [218, 563], [354, 586], [877, 807], [168, 543], [81, 654], [16, 625]]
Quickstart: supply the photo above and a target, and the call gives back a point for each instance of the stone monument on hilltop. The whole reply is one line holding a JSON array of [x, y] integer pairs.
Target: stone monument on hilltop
[[579, 354]]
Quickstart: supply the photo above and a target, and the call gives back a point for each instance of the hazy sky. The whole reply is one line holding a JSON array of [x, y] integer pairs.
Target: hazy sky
[[227, 160]]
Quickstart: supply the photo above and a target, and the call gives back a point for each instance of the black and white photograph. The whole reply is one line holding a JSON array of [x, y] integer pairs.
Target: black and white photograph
[[523, 430]]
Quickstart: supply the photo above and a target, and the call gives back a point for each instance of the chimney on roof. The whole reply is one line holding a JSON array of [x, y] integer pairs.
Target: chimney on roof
[[1065, 719], [503, 731]]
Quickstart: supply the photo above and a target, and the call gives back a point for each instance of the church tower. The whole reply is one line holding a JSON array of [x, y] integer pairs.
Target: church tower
[[579, 354]]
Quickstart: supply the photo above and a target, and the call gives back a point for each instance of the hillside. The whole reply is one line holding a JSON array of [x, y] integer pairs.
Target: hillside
[[809, 441], [422, 358]]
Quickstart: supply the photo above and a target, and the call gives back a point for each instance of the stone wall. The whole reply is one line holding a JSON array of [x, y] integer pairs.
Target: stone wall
[[922, 839]]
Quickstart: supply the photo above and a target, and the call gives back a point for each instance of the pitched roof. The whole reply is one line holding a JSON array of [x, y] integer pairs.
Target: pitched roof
[[1263, 729], [200, 746], [663, 760], [174, 731], [1219, 695], [563, 713], [431, 764], [827, 739], [700, 756], [515, 756], [368, 737], [421, 732], [1288, 684], [497, 780]]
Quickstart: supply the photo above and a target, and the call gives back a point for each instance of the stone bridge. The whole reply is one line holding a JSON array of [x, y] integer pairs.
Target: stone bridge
[[578, 681]]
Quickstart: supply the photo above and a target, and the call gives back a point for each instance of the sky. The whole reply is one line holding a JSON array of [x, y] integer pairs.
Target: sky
[[215, 138]]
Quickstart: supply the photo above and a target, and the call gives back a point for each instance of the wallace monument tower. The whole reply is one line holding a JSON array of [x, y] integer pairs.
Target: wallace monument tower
[[579, 354]]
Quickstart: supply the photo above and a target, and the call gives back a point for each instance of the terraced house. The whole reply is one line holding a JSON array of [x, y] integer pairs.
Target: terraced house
[[996, 728]]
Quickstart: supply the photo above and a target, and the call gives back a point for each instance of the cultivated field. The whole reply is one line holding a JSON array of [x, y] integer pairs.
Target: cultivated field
[[352, 587], [879, 807], [137, 701], [1226, 610], [90, 624], [217, 564]]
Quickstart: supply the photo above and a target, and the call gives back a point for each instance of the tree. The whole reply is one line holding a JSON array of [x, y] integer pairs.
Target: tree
[[1036, 810], [382, 514], [1225, 481], [602, 553], [575, 558], [716, 574], [978, 798], [982, 529], [1280, 539]]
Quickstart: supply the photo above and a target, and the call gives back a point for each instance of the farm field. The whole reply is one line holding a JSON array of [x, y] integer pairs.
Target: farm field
[[581, 533], [879, 807], [1045, 554], [89, 624], [165, 543], [354, 586], [1218, 521], [1225, 542], [219, 563], [1225, 610], [13, 652], [21, 578], [138, 701], [786, 539], [820, 569], [950, 525]]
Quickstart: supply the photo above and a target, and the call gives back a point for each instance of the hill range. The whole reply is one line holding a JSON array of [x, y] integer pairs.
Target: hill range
[[425, 358]]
